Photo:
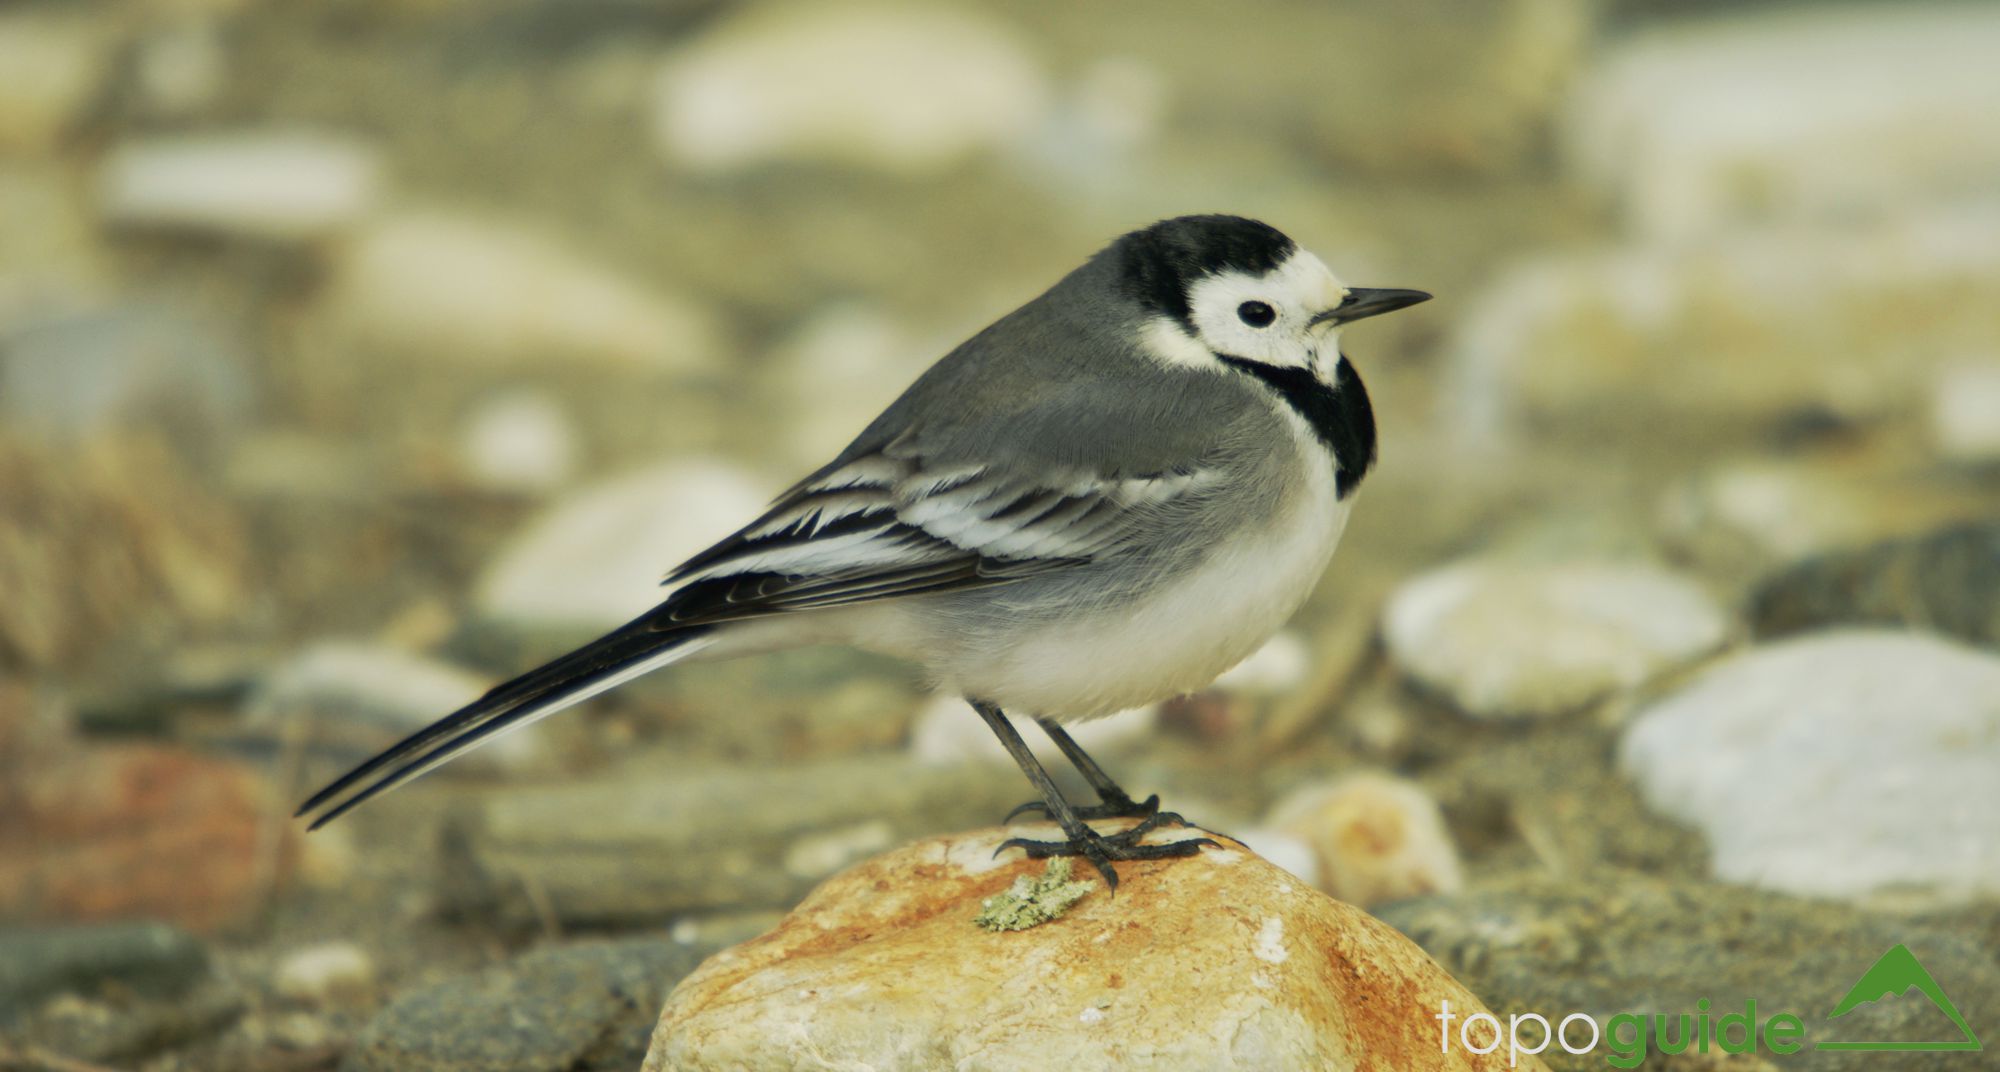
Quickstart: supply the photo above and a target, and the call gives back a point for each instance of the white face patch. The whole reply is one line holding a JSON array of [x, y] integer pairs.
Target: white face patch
[[1296, 291]]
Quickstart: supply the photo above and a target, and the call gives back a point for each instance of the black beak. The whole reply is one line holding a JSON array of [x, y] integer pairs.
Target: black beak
[[1364, 302]]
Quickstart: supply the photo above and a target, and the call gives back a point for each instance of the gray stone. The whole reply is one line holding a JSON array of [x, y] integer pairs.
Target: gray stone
[[1606, 945], [582, 1007], [146, 958], [654, 842], [1852, 763], [1947, 581], [68, 378]]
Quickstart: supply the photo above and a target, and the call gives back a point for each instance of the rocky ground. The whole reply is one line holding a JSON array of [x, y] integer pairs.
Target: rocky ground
[[353, 356]]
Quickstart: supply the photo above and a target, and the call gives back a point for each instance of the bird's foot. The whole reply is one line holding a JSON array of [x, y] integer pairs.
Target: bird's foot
[[1111, 806], [1102, 849]]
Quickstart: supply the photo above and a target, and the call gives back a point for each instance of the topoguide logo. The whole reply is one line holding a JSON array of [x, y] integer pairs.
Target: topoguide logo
[[1628, 1038]]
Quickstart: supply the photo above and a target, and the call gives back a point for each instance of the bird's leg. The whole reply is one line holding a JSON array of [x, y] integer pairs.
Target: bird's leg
[[1113, 801], [1081, 840]]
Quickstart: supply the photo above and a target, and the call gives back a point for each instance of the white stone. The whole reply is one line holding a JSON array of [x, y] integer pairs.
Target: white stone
[[280, 184], [947, 730], [55, 68], [1698, 127], [1375, 837], [594, 559], [1277, 667], [901, 88], [519, 441], [1750, 328], [445, 286], [1840, 764], [1505, 640], [358, 676], [1965, 411], [1295, 854], [327, 974]]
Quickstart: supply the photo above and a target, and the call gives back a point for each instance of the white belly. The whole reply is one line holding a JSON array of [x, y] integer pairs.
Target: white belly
[[1177, 640]]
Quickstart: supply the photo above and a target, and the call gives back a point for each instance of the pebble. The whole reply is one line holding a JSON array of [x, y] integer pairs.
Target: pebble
[[883, 967], [897, 88], [1843, 763], [520, 442], [1698, 127], [146, 958], [1377, 838], [594, 558], [329, 974], [1504, 640], [278, 185], [492, 291]]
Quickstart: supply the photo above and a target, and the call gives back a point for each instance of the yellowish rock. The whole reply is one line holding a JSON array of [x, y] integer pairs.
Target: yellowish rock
[[1217, 961], [1378, 838]]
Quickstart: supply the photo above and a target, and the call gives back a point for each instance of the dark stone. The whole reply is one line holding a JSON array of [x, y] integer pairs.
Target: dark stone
[[573, 1008], [150, 959], [1946, 581]]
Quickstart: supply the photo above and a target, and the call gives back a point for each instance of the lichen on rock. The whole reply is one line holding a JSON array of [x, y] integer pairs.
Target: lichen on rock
[[1033, 900]]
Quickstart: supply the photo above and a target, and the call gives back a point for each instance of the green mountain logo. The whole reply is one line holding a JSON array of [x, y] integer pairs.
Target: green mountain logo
[[1896, 973]]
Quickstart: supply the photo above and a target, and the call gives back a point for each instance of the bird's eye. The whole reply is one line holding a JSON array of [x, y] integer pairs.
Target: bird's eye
[[1256, 314]]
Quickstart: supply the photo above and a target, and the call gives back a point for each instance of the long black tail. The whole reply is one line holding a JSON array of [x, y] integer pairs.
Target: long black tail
[[603, 663]]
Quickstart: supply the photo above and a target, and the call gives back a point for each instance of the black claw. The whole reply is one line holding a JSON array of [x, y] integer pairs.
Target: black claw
[[1101, 849], [1118, 807]]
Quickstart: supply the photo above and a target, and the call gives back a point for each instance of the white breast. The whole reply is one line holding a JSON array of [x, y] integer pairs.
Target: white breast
[[1186, 634]]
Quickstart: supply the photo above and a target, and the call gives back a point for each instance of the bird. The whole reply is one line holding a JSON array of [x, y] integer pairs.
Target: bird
[[1104, 499]]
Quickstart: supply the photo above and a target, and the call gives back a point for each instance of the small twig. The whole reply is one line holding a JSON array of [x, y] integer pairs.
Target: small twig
[[540, 903]]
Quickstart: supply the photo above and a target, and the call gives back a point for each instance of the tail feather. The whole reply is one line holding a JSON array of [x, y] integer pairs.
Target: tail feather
[[602, 664]]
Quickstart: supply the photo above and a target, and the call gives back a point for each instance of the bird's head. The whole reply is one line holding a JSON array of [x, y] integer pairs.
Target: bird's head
[[1225, 286]]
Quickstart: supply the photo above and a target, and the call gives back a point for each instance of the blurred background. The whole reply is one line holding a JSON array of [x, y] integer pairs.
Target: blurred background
[[354, 356]]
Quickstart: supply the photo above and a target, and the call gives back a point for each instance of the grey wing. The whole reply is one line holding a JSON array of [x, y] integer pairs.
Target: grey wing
[[1040, 486], [888, 524]]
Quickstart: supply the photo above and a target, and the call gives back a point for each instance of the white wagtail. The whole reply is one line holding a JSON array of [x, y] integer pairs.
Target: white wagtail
[[1106, 498]]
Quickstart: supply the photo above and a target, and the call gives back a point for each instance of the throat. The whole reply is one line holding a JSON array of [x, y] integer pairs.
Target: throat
[[1338, 413]]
